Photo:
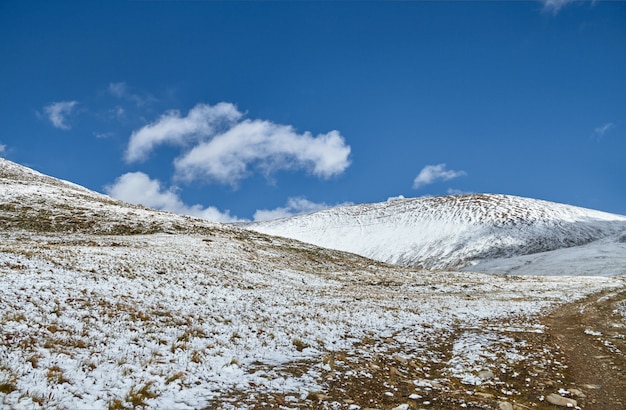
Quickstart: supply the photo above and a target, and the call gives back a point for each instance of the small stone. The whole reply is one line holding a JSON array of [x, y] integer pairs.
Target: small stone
[[400, 359], [485, 374], [591, 386], [318, 396], [484, 395], [402, 407], [505, 405], [435, 384], [577, 393], [394, 371], [557, 400]]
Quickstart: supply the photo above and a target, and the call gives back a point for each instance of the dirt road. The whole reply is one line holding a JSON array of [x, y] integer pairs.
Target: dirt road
[[578, 357], [592, 335]]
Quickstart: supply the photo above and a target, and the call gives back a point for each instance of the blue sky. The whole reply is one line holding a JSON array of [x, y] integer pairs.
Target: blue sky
[[252, 110]]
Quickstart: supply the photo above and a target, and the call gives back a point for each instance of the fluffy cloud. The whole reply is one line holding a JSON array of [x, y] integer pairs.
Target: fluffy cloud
[[433, 173], [554, 6], [139, 188], [266, 146], [202, 121], [295, 206], [3, 148], [223, 148], [58, 112]]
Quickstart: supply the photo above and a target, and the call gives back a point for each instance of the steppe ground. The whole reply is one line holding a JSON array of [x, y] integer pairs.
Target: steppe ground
[[234, 319]]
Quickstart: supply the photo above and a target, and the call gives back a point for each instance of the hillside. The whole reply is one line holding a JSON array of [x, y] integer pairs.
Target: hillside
[[36, 202], [105, 305], [449, 232]]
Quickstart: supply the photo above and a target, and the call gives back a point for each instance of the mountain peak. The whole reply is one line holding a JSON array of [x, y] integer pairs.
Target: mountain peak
[[448, 231], [32, 201]]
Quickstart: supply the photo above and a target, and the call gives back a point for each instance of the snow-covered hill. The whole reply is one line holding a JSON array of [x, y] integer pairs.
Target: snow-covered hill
[[104, 305], [31, 200], [449, 232]]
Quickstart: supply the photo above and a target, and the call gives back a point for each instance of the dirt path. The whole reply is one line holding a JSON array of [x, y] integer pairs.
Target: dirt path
[[592, 335], [580, 355]]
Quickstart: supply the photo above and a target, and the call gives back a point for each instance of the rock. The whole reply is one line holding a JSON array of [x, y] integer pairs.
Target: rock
[[318, 396], [394, 371], [505, 405], [402, 407], [577, 393], [558, 400], [591, 386], [400, 359], [485, 374], [484, 395]]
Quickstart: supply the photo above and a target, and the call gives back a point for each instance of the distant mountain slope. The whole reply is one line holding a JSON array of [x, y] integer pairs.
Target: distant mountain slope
[[604, 257], [34, 201], [448, 232]]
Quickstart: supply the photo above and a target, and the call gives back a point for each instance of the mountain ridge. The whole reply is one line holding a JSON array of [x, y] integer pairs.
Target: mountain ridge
[[110, 305], [450, 231], [34, 201], [441, 233]]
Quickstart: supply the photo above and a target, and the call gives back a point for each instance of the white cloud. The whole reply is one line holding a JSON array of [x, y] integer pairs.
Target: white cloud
[[395, 198], [3, 148], [118, 112], [554, 6], [202, 121], [453, 191], [120, 90], [266, 146], [139, 188], [58, 112], [294, 206], [117, 89], [225, 149], [103, 135], [599, 132], [432, 173]]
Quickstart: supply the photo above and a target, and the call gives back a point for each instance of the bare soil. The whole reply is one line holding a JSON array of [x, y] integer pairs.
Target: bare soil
[[580, 355], [592, 334]]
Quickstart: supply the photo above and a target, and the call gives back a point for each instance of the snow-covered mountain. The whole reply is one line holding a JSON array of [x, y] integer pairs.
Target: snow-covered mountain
[[34, 201], [105, 305], [451, 231]]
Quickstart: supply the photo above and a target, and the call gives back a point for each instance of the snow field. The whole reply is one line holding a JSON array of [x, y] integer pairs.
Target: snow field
[[449, 232], [183, 321]]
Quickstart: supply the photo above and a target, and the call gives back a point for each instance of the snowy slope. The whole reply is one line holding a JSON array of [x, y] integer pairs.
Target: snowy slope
[[33, 201], [448, 232], [604, 257], [104, 305]]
